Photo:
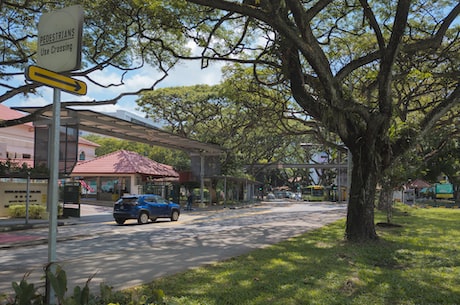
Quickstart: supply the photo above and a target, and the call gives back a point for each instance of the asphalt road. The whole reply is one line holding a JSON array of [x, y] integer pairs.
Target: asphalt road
[[129, 255]]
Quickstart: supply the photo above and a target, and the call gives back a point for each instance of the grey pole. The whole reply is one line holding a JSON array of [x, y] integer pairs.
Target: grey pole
[[53, 196], [27, 197], [201, 180]]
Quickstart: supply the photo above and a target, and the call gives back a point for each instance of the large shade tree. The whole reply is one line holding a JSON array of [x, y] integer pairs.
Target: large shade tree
[[378, 74], [255, 127]]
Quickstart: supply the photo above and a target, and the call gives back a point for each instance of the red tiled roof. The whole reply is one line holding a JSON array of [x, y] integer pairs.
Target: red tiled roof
[[7, 113], [418, 183], [124, 162]]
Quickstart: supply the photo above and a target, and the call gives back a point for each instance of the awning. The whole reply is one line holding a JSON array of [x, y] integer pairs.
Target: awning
[[104, 124]]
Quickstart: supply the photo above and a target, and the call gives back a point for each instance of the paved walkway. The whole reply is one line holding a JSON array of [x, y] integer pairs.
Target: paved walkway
[[16, 232]]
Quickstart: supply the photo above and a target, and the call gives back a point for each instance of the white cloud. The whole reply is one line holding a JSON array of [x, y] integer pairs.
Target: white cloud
[[190, 73], [29, 101]]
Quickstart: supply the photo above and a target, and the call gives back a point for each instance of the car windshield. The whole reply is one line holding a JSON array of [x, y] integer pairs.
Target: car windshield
[[318, 192]]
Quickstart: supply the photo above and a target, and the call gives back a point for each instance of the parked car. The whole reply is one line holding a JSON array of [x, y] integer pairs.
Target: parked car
[[283, 194], [143, 208]]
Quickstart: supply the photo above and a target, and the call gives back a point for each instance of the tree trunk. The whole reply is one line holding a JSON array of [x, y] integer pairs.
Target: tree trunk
[[386, 200], [360, 217]]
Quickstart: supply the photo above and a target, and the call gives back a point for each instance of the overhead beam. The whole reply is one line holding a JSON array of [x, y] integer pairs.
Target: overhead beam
[[291, 165]]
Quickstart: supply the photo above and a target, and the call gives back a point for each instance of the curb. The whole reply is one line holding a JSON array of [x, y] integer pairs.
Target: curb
[[22, 227]]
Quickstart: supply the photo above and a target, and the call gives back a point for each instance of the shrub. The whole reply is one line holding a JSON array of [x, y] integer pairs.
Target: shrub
[[19, 211]]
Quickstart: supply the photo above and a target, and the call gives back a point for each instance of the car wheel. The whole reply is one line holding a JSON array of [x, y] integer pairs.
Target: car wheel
[[174, 215], [143, 218], [120, 221]]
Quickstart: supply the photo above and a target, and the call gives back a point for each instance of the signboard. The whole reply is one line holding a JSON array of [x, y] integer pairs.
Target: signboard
[[56, 80], [59, 39]]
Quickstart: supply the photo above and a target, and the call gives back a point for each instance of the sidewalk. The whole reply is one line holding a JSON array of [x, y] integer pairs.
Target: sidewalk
[[15, 232], [87, 208]]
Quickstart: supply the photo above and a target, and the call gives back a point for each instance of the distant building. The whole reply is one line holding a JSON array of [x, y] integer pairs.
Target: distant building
[[17, 142], [131, 117]]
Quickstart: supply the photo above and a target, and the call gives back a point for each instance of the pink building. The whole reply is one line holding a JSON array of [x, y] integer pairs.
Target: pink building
[[17, 142]]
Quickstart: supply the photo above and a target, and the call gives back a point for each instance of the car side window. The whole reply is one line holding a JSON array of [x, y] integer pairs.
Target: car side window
[[150, 199], [161, 200]]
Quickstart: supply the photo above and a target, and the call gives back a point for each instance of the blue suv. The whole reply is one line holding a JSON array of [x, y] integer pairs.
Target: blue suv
[[143, 208]]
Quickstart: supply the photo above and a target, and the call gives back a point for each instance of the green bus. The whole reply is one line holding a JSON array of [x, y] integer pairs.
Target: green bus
[[444, 190], [313, 193]]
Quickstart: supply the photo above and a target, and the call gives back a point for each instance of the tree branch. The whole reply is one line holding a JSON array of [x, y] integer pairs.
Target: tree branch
[[389, 57]]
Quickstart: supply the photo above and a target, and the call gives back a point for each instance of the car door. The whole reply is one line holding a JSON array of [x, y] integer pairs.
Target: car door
[[162, 206], [158, 207], [151, 205]]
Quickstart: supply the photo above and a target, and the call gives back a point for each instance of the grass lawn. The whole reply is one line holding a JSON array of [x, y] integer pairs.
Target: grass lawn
[[417, 263]]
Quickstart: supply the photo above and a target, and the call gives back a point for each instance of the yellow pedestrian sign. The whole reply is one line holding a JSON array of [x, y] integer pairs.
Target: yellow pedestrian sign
[[55, 80]]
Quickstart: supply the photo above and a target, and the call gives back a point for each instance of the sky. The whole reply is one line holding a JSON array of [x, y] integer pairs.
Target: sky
[[184, 74]]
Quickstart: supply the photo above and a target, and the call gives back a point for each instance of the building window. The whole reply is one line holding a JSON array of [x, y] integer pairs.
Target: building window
[[10, 155], [26, 156], [82, 156]]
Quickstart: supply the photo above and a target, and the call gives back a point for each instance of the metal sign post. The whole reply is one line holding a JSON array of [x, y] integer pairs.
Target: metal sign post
[[53, 197], [58, 50]]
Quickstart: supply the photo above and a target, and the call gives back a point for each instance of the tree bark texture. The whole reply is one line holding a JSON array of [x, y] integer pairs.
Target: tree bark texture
[[360, 216], [385, 202]]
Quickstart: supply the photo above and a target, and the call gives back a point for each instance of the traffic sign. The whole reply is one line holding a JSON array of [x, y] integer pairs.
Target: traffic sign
[[60, 38], [56, 80]]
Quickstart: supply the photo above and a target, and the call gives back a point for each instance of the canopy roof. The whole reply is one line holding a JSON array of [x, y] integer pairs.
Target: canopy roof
[[104, 124], [418, 184]]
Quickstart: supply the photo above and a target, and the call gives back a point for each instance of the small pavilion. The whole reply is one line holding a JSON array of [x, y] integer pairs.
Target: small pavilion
[[110, 176]]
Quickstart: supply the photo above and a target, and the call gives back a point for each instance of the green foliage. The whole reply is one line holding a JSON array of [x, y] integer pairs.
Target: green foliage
[[184, 110], [254, 124], [80, 295], [58, 280], [178, 159], [28, 294], [133, 35], [19, 211], [15, 169]]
